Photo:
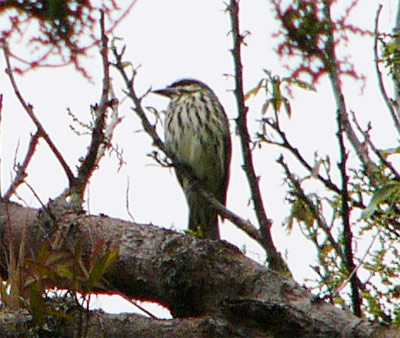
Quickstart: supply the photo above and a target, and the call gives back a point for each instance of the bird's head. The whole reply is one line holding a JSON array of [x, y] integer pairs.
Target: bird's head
[[182, 87]]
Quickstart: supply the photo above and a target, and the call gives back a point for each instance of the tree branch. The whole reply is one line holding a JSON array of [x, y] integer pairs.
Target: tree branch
[[396, 78], [21, 172], [274, 258], [196, 279], [322, 224], [332, 65], [296, 153], [347, 232], [29, 109], [99, 139], [376, 151], [388, 101]]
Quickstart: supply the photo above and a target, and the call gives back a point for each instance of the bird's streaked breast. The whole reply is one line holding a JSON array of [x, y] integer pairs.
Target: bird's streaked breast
[[195, 134]]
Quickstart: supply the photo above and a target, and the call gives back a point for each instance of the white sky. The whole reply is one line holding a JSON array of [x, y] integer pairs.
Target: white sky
[[171, 40]]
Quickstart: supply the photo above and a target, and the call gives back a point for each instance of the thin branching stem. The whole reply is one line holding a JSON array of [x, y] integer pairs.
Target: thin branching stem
[[388, 101], [21, 171], [396, 77], [29, 110], [274, 258], [286, 144], [322, 224], [89, 164], [377, 152], [333, 68]]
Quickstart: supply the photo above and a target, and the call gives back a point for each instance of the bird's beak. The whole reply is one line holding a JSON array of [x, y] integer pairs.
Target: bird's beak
[[168, 92]]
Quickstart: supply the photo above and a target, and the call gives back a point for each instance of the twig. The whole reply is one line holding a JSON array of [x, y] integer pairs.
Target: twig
[[37, 197], [109, 130], [127, 205], [341, 287], [332, 65], [137, 108], [21, 172], [29, 109], [388, 101], [102, 132], [49, 47], [322, 224], [377, 152], [134, 303], [287, 145], [396, 72], [274, 258], [329, 184]]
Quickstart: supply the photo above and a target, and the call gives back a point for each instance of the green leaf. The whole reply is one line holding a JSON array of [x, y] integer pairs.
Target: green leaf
[[255, 90], [379, 196], [43, 250], [277, 97], [59, 314], [65, 272], [389, 151], [301, 84], [36, 304], [288, 108], [126, 64], [99, 269]]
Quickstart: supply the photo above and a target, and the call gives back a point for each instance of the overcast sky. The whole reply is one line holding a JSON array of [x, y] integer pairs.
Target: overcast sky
[[171, 40]]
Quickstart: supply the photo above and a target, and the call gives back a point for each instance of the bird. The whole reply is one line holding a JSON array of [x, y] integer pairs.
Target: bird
[[197, 134]]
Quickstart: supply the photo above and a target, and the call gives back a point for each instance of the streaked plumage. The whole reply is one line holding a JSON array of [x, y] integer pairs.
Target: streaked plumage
[[197, 132]]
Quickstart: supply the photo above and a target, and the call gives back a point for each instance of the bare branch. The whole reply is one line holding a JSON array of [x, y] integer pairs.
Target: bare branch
[[274, 258], [396, 78], [127, 204], [388, 101], [294, 151], [322, 224], [333, 68], [377, 152], [347, 232], [101, 133], [21, 172], [29, 109], [109, 129], [120, 65]]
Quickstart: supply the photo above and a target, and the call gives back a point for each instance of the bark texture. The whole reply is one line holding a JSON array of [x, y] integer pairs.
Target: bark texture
[[210, 287]]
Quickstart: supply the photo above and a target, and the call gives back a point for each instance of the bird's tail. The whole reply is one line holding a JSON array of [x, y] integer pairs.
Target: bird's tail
[[202, 218]]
